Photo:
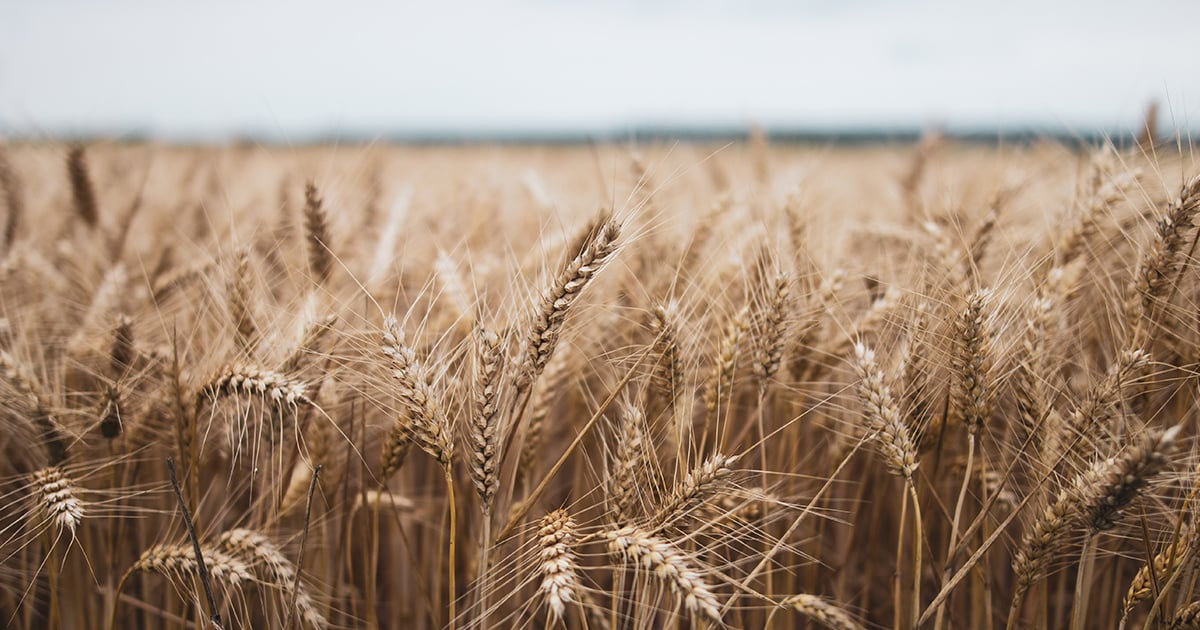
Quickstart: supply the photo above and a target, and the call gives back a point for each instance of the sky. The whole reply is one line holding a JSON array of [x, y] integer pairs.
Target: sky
[[290, 70]]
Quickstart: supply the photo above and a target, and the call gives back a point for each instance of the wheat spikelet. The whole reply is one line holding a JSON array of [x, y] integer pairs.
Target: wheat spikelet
[[698, 485], [83, 194], [1186, 618], [44, 425], [485, 417], [110, 412], [422, 421], [627, 460], [669, 367], [971, 390], [1161, 260], [1094, 500], [666, 562], [1166, 563], [883, 416], [55, 500], [256, 551], [180, 278], [822, 612], [247, 379], [14, 201], [720, 382], [315, 331], [558, 565], [239, 298], [316, 228], [178, 563], [769, 326], [561, 295]]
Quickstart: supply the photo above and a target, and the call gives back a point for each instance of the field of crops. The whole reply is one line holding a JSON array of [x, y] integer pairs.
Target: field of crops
[[665, 386]]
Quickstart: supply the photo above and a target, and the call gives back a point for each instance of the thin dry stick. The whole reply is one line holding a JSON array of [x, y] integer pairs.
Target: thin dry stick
[[312, 489], [201, 568]]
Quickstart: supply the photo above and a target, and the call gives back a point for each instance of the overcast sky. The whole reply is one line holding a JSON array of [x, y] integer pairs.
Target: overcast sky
[[289, 69]]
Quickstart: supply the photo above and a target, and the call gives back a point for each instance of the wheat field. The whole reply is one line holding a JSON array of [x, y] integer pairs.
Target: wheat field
[[681, 385]]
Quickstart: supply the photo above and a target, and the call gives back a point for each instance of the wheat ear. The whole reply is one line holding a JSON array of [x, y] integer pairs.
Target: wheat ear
[[316, 229], [14, 201], [239, 299], [883, 416], [424, 423], [1186, 618], [697, 486], [250, 380], [55, 500], [822, 611], [51, 434], [1165, 563], [83, 193], [561, 295], [1094, 500], [485, 417], [1160, 262], [256, 551], [628, 459], [558, 563], [666, 562], [669, 371], [422, 420], [770, 326]]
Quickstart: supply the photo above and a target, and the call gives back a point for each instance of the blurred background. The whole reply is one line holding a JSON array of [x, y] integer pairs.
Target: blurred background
[[306, 71]]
